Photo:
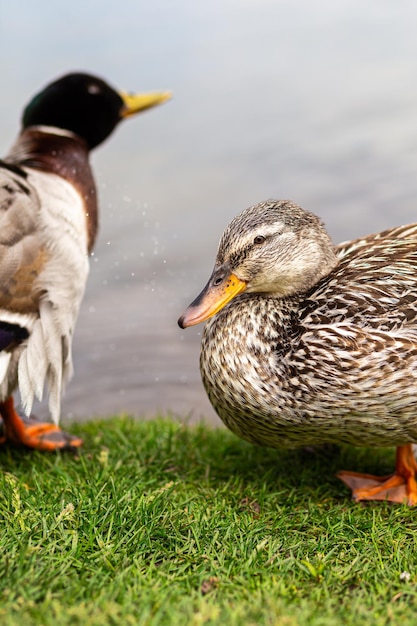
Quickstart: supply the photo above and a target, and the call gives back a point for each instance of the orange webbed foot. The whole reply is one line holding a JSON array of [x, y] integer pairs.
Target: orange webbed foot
[[32, 433], [400, 487]]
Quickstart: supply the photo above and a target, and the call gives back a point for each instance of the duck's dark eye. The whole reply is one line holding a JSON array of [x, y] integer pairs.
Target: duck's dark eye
[[259, 239]]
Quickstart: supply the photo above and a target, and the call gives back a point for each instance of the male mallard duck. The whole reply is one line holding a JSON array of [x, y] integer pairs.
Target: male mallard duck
[[311, 343], [48, 224]]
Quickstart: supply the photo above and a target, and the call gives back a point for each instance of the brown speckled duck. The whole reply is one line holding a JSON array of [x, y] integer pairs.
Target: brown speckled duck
[[48, 224], [309, 343]]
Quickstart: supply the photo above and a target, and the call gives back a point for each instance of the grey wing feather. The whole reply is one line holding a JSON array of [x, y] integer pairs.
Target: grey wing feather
[[43, 269]]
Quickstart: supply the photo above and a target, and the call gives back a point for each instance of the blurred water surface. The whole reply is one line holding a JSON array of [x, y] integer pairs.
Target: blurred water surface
[[316, 102]]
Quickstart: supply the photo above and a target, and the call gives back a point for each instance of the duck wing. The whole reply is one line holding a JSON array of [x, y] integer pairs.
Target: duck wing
[[373, 286], [43, 270]]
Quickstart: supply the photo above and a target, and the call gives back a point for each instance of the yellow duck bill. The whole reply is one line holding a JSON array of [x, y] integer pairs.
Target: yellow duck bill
[[222, 287], [136, 102]]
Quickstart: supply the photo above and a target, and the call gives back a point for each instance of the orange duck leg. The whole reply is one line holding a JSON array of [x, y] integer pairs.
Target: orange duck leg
[[399, 487], [32, 433]]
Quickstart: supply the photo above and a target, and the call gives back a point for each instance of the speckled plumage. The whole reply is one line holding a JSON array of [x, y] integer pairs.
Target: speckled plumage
[[322, 346]]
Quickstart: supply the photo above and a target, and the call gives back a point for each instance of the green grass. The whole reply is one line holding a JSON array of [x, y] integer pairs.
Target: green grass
[[158, 523]]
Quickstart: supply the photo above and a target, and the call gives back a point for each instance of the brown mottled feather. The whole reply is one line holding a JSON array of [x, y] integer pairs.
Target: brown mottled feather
[[21, 258], [333, 362]]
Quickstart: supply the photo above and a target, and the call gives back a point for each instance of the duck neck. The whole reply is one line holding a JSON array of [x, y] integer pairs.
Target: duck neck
[[62, 153]]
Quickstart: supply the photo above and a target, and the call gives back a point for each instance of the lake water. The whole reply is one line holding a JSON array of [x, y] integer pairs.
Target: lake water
[[316, 102]]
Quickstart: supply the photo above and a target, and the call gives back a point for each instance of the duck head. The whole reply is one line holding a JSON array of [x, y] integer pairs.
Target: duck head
[[274, 248], [87, 106]]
